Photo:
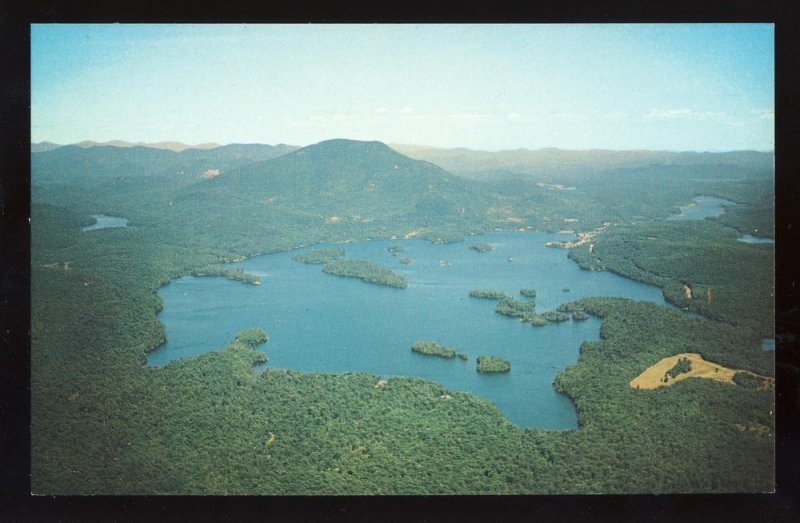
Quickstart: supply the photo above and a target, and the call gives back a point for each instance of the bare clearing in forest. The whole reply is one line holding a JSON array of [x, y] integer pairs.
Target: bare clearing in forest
[[653, 377]]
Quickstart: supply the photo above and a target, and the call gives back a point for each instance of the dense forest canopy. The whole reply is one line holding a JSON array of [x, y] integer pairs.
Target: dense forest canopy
[[104, 423]]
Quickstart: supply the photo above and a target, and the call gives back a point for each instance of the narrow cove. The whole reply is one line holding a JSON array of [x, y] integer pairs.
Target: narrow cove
[[323, 323], [105, 222]]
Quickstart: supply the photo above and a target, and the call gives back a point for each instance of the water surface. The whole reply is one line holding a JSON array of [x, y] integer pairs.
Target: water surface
[[322, 323], [748, 238], [105, 222], [702, 207]]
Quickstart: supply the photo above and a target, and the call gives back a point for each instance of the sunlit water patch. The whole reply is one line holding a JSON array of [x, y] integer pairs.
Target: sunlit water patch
[[768, 344], [702, 207], [322, 323], [105, 222], [747, 238]]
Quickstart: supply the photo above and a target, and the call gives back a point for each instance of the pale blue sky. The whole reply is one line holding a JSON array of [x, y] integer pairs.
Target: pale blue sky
[[491, 87]]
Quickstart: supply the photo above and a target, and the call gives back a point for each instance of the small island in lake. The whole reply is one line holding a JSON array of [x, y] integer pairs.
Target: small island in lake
[[431, 348], [515, 308], [487, 294], [545, 318], [366, 271], [565, 309], [231, 274], [319, 257], [481, 247], [528, 293], [405, 260], [493, 364]]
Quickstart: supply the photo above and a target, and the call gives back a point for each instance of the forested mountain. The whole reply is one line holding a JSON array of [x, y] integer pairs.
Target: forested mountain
[[350, 180], [76, 164]]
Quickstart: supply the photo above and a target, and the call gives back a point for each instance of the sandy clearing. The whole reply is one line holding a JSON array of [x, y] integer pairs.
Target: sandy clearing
[[412, 234], [652, 377], [687, 291]]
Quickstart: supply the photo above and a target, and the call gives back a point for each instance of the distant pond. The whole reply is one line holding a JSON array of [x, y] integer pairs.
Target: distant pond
[[105, 222], [768, 344], [702, 207], [317, 322], [747, 238]]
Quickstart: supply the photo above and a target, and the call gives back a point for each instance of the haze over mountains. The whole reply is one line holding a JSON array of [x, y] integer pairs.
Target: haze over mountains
[[171, 146], [568, 163], [477, 164], [103, 161]]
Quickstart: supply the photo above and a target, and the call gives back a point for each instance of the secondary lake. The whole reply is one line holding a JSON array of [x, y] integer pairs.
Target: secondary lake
[[702, 207], [105, 222], [749, 238], [317, 322]]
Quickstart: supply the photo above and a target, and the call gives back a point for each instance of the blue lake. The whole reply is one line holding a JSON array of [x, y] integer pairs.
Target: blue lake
[[322, 323], [105, 222], [768, 344], [702, 207]]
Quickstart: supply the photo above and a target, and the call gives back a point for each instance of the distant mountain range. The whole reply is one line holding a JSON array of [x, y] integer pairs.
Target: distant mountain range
[[71, 163], [170, 146], [338, 188], [569, 163], [469, 163]]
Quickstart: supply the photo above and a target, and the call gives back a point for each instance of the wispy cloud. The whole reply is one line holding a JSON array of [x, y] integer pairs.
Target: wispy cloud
[[470, 116], [616, 115], [764, 114], [692, 115], [569, 117], [411, 113], [669, 113]]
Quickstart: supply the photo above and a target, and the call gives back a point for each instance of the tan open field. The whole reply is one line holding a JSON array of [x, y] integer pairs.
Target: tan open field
[[652, 377]]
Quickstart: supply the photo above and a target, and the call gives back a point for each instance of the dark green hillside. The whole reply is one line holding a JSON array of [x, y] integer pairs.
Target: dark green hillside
[[84, 165], [349, 181], [702, 255], [135, 182], [72, 164]]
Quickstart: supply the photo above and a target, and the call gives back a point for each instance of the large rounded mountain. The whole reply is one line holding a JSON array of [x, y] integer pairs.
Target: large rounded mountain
[[344, 180]]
